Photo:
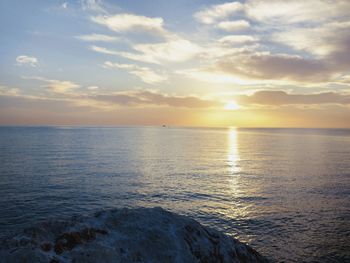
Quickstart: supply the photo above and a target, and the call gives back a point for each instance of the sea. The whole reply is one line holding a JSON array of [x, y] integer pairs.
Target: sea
[[285, 192]]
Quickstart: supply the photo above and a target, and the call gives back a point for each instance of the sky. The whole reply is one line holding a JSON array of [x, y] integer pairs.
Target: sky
[[205, 63]]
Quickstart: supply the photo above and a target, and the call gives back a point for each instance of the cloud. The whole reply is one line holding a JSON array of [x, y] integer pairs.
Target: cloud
[[247, 66], [27, 60], [93, 5], [104, 50], [65, 5], [330, 42], [318, 27], [97, 38], [57, 86], [296, 11], [267, 66], [212, 75], [93, 88], [319, 40], [7, 91], [144, 98], [94, 97], [17, 110], [129, 98], [218, 12], [277, 98], [130, 23], [144, 73], [314, 34], [174, 50], [314, 37], [231, 26], [237, 39]]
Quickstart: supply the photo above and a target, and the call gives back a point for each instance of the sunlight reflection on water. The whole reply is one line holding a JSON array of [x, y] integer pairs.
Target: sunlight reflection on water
[[233, 154], [284, 191]]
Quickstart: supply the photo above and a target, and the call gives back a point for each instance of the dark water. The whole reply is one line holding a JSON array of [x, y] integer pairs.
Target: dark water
[[284, 191]]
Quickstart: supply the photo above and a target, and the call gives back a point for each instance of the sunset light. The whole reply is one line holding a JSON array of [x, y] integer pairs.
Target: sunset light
[[175, 131], [103, 62], [232, 105]]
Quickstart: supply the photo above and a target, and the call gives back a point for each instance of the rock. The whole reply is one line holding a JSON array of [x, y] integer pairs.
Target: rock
[[46, 247], [67, 241], [126, 235]]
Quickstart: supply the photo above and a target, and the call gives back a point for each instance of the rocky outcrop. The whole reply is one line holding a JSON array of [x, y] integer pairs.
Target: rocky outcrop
[[125, 235]]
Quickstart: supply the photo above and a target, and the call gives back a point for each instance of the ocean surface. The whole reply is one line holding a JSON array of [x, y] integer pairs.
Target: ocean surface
[[286, 192]]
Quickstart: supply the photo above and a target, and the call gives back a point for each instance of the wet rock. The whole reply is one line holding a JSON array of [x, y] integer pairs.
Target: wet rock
[[68, 241], [46, 247], [126, 235]]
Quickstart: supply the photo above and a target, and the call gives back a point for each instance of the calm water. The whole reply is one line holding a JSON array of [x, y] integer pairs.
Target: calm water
[[284, 191]]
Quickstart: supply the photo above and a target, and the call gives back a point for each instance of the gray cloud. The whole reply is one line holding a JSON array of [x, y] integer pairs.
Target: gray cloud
[[341, 56], [329, 42], [272, 67], [142, 98], [93, 97], [318, 28]]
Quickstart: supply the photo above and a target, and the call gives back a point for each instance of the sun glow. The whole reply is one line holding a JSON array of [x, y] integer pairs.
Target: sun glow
[[232, 105]]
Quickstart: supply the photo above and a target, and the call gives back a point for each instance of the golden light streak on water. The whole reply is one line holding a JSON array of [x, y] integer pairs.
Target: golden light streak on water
[[233, 154]]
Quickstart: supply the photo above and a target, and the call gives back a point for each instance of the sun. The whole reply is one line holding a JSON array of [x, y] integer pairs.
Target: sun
[[232, 105]]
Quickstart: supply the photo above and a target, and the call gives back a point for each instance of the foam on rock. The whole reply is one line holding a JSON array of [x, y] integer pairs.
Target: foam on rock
[[125, 235]]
